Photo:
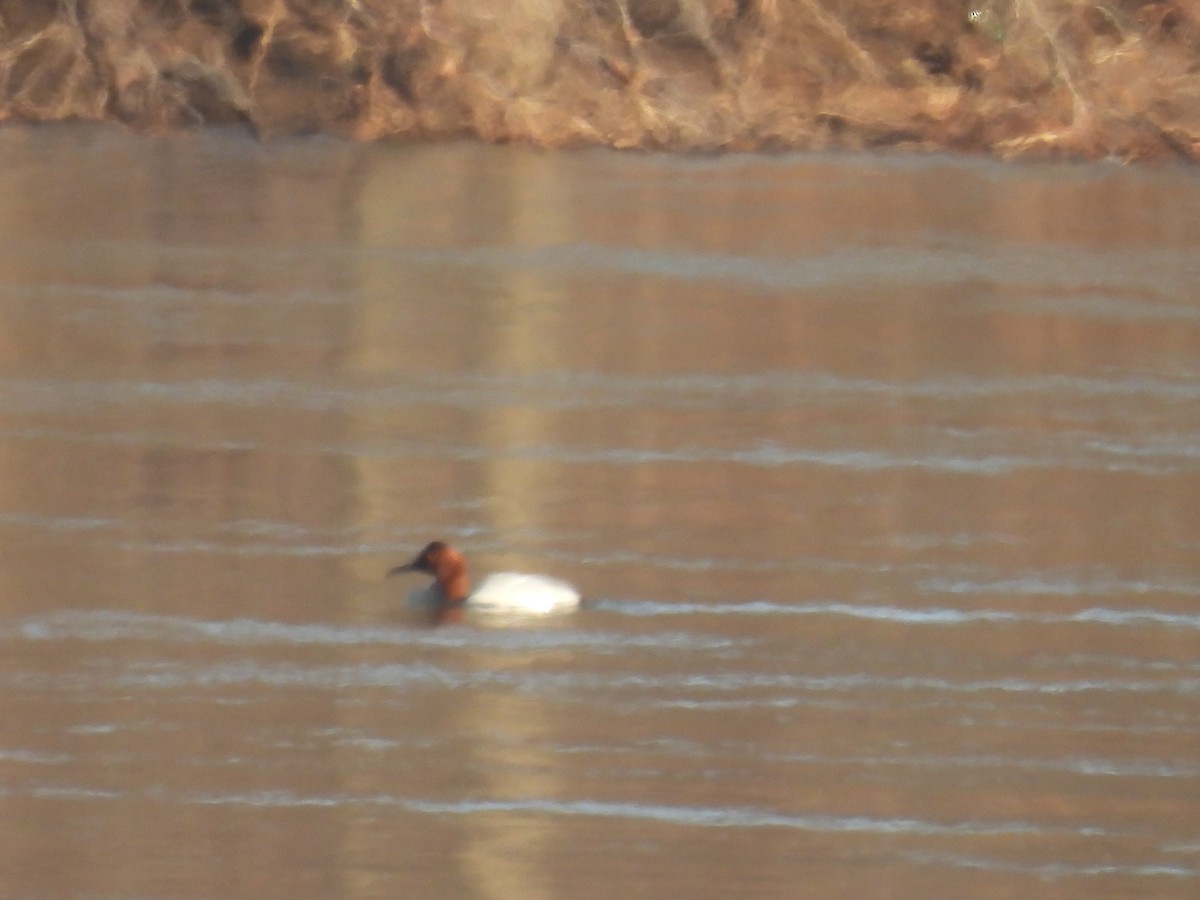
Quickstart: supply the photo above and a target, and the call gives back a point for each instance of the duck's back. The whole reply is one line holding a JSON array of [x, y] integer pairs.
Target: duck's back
[[514, 592]]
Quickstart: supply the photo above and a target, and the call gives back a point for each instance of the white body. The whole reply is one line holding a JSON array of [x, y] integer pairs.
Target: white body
[[507, 594]]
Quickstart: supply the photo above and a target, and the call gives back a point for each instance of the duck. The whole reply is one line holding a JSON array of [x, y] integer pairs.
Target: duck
[[449, 598]]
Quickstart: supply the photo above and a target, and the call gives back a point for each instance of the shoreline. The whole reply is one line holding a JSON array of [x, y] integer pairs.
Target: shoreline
[[1006, 78]]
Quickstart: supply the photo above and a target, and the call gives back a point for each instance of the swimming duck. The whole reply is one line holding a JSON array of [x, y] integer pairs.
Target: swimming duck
[[504, 593]]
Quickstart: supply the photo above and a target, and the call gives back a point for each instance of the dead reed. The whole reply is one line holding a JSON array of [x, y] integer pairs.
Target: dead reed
[[1011, 77]]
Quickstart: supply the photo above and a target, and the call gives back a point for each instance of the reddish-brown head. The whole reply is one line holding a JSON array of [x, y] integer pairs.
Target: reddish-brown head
[[449, 569]]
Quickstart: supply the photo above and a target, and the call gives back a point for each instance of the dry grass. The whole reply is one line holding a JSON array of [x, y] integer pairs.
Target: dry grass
[[1011, 77]]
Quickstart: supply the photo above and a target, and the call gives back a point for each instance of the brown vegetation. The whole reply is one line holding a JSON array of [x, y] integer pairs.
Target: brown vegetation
[[1012, 77]]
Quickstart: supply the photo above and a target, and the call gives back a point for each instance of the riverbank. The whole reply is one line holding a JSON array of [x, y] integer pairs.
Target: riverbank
[[1012, 78]]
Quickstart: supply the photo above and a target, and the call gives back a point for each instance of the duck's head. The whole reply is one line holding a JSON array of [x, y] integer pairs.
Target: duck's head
[[446, 565]]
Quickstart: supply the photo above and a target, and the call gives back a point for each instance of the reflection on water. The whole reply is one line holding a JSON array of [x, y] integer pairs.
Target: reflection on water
[[880, 477]]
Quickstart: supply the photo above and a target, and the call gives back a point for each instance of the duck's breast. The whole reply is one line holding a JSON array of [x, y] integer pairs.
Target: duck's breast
[[513, 592]]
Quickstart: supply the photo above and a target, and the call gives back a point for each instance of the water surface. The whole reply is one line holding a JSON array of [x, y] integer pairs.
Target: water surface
[[881, 475]]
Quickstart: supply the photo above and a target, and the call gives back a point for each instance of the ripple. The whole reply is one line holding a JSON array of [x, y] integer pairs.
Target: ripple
[[687, 689], [33, 757], [771, 455], [583, 389], [109, 625], [728, 817], [1051, 870], [1033, 584], [694, 816], [914, 616]]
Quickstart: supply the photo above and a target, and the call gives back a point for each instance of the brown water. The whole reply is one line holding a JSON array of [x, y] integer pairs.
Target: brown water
[[882, 476]]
